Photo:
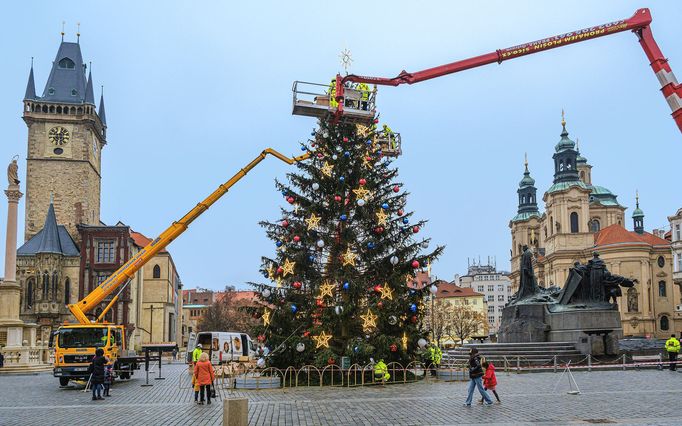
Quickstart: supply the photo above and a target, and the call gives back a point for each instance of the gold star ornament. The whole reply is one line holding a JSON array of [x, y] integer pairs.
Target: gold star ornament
[[381, 217], [369, 320], [386, 292], [266, 317], [327, 289], [404, 339], [313, 221], [322, 341], [326, 169], [361, 192], [349, 257], [288, 267]]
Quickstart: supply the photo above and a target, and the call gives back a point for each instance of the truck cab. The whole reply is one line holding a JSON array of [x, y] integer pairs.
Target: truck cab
[[75, 346]]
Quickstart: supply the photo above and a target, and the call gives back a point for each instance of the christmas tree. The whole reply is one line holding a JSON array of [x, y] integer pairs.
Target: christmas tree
[[346, 252]]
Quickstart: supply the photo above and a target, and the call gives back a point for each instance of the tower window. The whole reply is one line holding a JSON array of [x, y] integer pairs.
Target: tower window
[[595, 226], [662, 291], [67, 63], [156, 273], [574, 223], [67, 291], [561, 166], [665, 324], [50, 91]]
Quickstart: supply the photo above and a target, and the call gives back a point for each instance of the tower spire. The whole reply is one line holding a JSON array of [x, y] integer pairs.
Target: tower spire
[[62, 33], [78, 33], [638, 216], [100, 110], [30, 86]]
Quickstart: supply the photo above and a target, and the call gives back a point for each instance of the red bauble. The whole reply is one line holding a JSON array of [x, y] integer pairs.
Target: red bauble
[[379, 229], [331, 361], [280, 270], [285, 223], [368, 158], [380, 304], [393, 347], [261, 338], [296, 285], [345, 139], [306, 333], [319, 303], [413, 318], [415, 264], [317, 322], [346, 201], [337, 198], [319, 155], [415, 229], [290, 199], [401, 212], [362, 181], [376, 121], [377, 288], [396, 188], [297, 238]]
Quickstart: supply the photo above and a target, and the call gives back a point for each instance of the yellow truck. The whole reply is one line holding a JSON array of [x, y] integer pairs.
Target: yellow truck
[[75, 344]]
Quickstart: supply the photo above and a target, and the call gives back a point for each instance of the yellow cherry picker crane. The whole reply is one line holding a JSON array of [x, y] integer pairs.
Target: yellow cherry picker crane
[[75, 344]]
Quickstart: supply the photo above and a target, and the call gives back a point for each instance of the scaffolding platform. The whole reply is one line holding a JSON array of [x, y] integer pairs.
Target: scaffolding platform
[[314, 100], [388, 143]]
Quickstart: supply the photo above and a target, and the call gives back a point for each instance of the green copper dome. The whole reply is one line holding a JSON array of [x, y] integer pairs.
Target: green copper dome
[[564, 143]]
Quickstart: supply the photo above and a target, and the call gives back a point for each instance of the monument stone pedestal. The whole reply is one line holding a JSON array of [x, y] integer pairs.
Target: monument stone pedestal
[[594, 331]]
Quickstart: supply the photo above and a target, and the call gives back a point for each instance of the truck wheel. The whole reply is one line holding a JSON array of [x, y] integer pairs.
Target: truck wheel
[[63, 381], [125, 376]]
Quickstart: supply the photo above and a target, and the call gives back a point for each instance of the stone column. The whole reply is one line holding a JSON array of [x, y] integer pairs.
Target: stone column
[[10, 290]]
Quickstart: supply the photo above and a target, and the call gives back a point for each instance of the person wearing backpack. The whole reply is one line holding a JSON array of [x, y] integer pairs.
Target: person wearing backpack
[[476, 379]]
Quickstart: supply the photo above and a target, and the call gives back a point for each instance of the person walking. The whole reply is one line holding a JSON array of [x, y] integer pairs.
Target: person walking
[[96, 371], [490, 380], [475, 375], [672, 346], [204, 374]]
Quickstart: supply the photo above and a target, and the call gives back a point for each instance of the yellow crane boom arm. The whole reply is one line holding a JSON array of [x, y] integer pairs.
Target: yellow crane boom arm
[[125, 272]]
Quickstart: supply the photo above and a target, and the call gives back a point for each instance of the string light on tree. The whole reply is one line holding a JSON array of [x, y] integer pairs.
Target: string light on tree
[[369, 320], [327, 289], [288, 267], [386, 292], [313, 222], [349, 257], [322, 340], [381, 217]]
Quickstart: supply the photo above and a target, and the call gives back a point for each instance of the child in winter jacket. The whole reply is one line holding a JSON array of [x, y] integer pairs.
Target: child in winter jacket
[[489, 379], [108, 378], [195, 386]]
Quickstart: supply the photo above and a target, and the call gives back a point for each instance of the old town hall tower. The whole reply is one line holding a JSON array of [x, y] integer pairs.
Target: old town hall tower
[[66, 135]]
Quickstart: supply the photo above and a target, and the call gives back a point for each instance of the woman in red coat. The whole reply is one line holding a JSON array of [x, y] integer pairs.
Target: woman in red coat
[[489, 379], [204, 376]]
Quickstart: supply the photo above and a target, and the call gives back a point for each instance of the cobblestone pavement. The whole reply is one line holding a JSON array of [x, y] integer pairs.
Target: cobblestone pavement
[[633, 397]]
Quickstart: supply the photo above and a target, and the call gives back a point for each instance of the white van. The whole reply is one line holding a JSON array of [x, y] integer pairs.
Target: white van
[[226, 346]]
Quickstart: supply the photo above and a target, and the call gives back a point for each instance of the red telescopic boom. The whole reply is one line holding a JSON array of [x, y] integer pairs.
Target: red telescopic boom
[[638, 23]]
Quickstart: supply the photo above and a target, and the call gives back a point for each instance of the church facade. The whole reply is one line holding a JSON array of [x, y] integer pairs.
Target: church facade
[[68, 251], [580, 218]]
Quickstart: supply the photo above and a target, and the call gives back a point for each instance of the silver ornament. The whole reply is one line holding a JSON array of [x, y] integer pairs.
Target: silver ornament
[[266, 292], [392, 320], [316, 186], [394, 260], [300, 347], [320, 243], [334, 157], [338, 309], [425, 244], [361, 202]]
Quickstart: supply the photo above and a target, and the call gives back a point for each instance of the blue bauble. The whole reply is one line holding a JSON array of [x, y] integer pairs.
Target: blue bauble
[[302, 148], [370, 245], [369, 142], [346, 154], [413, 308], [284, 193], [406, 220], [384, 206], [346, 286], [293, 309], [311, 258], [265, 274], [278, 244], [341, 179], [312, 133], [343, 217]]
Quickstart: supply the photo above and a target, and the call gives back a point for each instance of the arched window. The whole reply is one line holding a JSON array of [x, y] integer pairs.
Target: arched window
[[582, 175], [661, 289], [523, 199], [595, 226], [67, 63], [551, 225], [55, 281], [67, 291], [29, 293], [46, 285], [561, 166], [574, 223], [156, 272], [665, 323]]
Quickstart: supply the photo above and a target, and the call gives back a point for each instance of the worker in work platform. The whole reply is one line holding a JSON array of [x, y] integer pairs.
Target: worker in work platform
[[196, 353], [332, 94], [672, 346], [388, 134], [364, 96]]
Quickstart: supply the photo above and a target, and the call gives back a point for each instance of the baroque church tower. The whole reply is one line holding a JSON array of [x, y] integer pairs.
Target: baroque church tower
[[66, 135]]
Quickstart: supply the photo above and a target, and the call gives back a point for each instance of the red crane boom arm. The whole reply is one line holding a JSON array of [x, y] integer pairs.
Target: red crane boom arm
[[638, 23]]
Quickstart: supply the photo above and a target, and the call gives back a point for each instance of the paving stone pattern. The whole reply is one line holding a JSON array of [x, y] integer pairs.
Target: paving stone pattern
[[632, 397]]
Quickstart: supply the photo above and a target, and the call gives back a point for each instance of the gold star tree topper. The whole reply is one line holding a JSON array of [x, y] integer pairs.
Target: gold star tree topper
[[369, 320], [349, 257], [322, 340]]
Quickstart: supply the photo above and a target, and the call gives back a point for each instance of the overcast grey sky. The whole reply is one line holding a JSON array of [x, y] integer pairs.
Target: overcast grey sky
[[195, 90]]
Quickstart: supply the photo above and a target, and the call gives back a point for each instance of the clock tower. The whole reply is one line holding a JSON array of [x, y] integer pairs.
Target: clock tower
[[66, 134]]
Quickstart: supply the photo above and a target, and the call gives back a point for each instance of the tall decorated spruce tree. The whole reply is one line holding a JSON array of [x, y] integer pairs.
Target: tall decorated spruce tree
[[346, 250]]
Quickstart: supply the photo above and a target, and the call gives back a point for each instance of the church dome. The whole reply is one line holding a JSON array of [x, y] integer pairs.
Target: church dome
[[527, 180]]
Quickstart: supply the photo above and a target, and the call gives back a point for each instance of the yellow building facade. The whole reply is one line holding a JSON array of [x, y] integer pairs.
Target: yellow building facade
[[581, 218]]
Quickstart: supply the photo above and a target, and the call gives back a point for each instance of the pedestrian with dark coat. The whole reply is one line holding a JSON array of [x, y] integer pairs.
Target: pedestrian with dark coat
[[476, 379], [96, 371]]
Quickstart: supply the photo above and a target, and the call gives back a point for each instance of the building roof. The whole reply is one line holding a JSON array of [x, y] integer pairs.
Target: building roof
[[30, 86], [617, 235], [238, 295], [562, 186], [525, 216], [141, 240], [446, 289], [89, 93], [564, 143], [603, 196], [52, 238], [100, 110], [66, 83]]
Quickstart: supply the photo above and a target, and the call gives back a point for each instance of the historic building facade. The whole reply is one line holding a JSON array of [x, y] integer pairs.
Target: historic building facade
[[494, 285], [580, 218]]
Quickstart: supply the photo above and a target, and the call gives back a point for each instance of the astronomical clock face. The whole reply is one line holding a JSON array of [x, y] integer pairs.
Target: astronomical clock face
[[58, 136]]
